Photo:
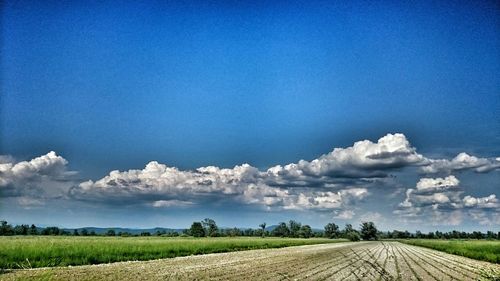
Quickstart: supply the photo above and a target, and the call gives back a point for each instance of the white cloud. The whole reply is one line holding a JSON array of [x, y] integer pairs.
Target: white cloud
[[327, 200], [434, 184], [170, 203], [344, 214], [161, 186], [160, 180], [363, 159], [334, 182], [462, 161], [50, 165], [482, 202], [439, 198], [439, 201], [429, 191], [42, 177], [244, 184]]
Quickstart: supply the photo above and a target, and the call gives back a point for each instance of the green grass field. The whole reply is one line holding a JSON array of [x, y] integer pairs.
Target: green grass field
[[47, 251], [476, 249]]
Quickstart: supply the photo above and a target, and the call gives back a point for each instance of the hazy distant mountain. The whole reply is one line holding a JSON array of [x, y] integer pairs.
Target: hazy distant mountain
[[137, 231], [133, 231]]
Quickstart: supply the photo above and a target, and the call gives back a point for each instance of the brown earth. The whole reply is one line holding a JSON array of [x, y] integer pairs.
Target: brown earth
[[340, 261]]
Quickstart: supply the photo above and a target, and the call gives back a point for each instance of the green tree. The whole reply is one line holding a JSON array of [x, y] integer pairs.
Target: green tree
[[210, 227], [110, 232], [250, 232], [51, 230], [85, 232], [353, 236], [263, 228], [350, 233], [281, 230], [233, 232], [305, 231], [33, 230], [368, 231], [197, 229], [348, 228], [21, 229], [75, 232], [6, 229], [294, 227], [332, 230]]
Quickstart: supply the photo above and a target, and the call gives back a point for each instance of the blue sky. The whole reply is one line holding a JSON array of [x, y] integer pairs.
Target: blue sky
[[112, 86]]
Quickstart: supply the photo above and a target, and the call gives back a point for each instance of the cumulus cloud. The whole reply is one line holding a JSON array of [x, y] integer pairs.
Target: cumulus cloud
[[327, 200], [488, 202], [42, 177], [365, 159], [325, 183], [462, 161], [43, 165], [245, 184], [440, 201], [334, 182], [438, 192], [431, 184]]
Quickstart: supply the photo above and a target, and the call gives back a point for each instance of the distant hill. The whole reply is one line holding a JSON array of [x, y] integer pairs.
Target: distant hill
[[133, 231], [138, 231], [271, 227]]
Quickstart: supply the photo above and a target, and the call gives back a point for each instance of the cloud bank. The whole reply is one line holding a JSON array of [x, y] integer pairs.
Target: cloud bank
[[243, 184], [336, 183]]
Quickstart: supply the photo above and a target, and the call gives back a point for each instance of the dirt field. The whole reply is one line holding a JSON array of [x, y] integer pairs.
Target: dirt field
[[342, 261]]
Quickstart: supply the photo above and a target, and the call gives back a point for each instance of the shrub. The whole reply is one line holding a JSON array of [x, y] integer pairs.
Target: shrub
[[353, 236]]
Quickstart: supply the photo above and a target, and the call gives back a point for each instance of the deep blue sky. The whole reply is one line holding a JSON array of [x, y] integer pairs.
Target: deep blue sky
[[113, 85]]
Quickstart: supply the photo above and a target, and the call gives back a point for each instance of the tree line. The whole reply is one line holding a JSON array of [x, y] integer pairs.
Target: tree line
[[291, 229], [7, 229], [454, 234]]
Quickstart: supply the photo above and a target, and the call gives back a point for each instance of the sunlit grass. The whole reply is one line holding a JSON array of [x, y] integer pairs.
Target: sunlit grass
[[476, 249], [47, 251]]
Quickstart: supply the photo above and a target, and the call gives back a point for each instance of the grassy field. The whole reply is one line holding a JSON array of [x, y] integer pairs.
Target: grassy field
[[475, 249], [48, 251]]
